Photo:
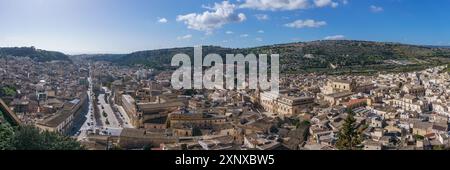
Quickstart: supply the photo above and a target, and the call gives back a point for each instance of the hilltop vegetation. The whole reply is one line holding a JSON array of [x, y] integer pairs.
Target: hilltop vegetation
[[33, 53], [335, 56], [98, 57], [30, 138], [26, 137], [160, 59]]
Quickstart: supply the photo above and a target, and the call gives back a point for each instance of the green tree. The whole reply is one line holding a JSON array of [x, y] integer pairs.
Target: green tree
[[348, 136], [8, 91], [148, 147], [116, 147], [196, 131], [6, 133], [54, 141], [27, 138], [107, 121], [273, 129], [304, 123], [438, 147], [30, 138], [418, 137]]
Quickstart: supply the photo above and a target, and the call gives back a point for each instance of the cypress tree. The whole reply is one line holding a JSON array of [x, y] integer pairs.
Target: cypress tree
[[348, 136]]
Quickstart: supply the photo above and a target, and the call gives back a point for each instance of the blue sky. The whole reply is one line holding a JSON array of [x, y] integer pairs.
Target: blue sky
[[123, 26]]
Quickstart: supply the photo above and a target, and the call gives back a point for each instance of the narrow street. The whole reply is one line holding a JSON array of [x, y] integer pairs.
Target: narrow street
[[90, 124]]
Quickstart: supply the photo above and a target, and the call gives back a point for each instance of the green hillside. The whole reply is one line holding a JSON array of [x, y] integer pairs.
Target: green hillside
[[327, 56], [33, 53]]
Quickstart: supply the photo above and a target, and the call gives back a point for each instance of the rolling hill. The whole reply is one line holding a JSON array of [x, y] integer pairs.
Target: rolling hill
[[33, 53], [330, 55]]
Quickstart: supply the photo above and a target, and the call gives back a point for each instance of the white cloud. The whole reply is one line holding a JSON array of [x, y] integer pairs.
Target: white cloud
[[208, 7], [324, 3], [335, 37], [259, 39], [284, 5], [262, 17], [306, 24], [185, 37], [244, 35], [334, 4], [162, 20], [261, 31], [219, 15], [375, 9], [345, 2], [275, 5], [229, 32]]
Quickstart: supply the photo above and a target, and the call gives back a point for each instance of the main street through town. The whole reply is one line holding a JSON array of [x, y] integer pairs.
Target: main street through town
[[90, 124], [107, 114], [111, 123]]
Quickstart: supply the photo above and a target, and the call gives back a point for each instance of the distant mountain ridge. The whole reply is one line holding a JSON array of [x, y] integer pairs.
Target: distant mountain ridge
[[99, 57], [323, 55], [314, 55], [437, 46], [33, 53]]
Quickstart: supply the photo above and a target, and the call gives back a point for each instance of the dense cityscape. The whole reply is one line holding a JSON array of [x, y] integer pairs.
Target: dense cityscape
[[249, 79], [105, 106]]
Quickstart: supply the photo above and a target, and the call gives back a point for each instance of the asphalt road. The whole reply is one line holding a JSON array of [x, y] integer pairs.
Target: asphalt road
[[106, 108]]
